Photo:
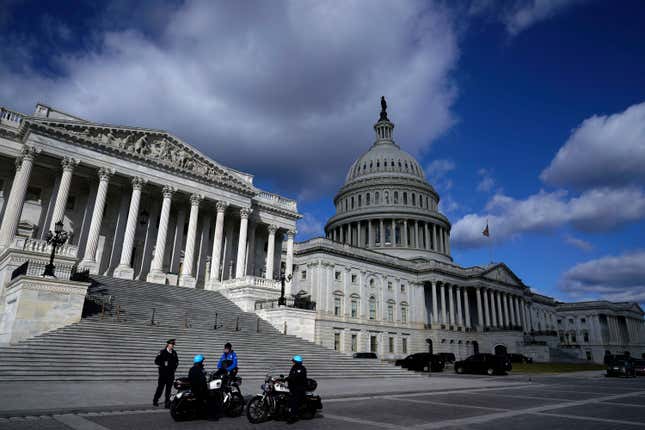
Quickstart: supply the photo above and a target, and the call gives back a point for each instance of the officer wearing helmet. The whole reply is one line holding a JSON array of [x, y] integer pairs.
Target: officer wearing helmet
[[297, 381], [228, 361], [199, 387]]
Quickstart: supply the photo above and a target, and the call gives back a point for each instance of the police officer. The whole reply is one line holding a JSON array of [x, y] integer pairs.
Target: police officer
[[167, 361], [197, 375], [228, 361], [297, 380]]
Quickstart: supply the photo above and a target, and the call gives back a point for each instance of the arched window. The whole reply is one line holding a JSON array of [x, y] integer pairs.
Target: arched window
[[377, 198], [355, 305], [404, 313], [390, 310], [387, 197], [367, 199], [414, 199], [405, 198], [352, 202], [360, 198], [396, 197], [372, 308]]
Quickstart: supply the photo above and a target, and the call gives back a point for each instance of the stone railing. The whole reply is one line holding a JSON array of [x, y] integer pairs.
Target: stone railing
[[41, 246], [252, 281], [36, 267], [277, 200], [10, 117]]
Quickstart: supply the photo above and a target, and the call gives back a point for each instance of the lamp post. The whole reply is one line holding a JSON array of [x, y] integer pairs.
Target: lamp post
[[56, 238], [282, 301]]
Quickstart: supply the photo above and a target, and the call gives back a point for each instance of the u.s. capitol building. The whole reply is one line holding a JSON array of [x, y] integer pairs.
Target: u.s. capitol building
[[142, 204]]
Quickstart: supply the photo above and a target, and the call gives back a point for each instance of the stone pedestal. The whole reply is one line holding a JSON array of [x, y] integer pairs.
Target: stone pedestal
[[187, 281], [298, 322], [124, 272], [245, 291], [157, 277], [34, 305]]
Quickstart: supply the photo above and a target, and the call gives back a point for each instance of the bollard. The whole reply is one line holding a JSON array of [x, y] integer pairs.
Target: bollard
[[215, 325], [285, 328], [257, 327], [152, 319], [118, 313], [237, 323]]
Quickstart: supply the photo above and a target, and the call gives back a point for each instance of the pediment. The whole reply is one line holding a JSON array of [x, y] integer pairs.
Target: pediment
[[501, 273], [154, 147]]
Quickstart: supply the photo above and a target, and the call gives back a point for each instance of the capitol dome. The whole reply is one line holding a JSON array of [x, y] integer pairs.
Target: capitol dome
[[387, 205]]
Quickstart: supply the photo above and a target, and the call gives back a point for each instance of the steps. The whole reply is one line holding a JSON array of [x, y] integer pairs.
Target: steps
[[122, 347], [558, 355]]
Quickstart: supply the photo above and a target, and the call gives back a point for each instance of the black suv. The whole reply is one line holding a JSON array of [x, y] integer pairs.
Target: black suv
[[422, 361], [448, 357], [621, 367], [519, 358], [484, 363], [364, 355]]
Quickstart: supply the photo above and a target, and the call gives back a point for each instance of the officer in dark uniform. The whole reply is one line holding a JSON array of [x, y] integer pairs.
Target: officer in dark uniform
[[208, 405], [167, 361], [297, 381]]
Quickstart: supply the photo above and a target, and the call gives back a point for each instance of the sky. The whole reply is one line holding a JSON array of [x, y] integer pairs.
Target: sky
[[528, 115]]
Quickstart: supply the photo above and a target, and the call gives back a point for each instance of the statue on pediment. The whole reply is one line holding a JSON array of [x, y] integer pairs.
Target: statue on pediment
[[161, 149], [141, 145], [122, 142]]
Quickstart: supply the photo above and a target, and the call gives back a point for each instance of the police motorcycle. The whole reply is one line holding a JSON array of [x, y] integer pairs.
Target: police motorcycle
[[226, 389], [273, 401]]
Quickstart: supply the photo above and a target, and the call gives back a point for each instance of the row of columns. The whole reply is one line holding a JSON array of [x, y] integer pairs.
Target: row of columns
[[11, 218], [496, 309], [412, 234]]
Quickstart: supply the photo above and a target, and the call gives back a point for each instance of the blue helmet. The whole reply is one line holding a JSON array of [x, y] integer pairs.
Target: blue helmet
[[297, 359], [198, 358]]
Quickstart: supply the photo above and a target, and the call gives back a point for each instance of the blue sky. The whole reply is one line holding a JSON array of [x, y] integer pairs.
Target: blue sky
[[525, 113]]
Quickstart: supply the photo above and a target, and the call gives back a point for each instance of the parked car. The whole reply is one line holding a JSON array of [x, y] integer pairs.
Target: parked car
[[519, 358], [448, 357], [622, 367], [639, 367], [364, 355], [423, 362], [484, 363]]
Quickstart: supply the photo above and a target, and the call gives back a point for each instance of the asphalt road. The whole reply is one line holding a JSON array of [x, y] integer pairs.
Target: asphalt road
[[560, 402]]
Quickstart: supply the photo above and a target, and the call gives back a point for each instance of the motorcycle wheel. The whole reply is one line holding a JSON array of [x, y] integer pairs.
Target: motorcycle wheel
[[177, 412], [307, 413], [236, 407], [256, 410]]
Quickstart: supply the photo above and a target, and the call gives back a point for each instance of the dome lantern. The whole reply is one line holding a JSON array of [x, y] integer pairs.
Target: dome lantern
[[383, 127]]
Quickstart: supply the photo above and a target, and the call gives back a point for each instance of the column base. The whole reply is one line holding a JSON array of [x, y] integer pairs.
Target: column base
[[90, 265], [123, 272], [187, 281], [156, 277]]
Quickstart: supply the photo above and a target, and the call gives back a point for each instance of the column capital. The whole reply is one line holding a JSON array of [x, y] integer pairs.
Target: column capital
[[167, 191], [138, 183], [291, 234], [105, 173], [68, 164], [245, 212], [272, 228], [221, 206], [27, 153], [195, 199]]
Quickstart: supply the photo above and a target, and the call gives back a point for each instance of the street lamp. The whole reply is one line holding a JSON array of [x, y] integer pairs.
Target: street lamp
[[56, 238], [282, 301]]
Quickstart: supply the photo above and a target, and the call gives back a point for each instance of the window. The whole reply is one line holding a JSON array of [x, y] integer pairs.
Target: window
[[354, 308], [414, 199], [390, 312], [337, 306], [387, 197], [354, 343], [372, 283], [583, 320], [570, 320], [389, 285], [372, 308], [396, 197], [367, 199], [573, 337], [391, 344], [404, 345], [360, 202], [354, 277], [33, 194], [338, 276], [589, 357], [559, 322], [377, 198], [352, 200], [336, 341], [405, 198], [404, 314], [303, 275], [373, 344], [585, 337], [403, 288]]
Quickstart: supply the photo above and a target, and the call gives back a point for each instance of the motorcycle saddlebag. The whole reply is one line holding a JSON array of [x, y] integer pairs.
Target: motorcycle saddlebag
[[181, 384], [315, 402], [311, 385]]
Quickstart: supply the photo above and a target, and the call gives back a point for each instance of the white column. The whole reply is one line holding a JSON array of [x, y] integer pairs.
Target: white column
[[493, 310], [404, 236], [435, 246], [417, 242], [95, 225], [187, 279], [241, 245], [447, 239], [370, 239], [156, 267], [291, 234], [216, 254], [451, 301], [381, 232], [435, 304], [250, 252], [507, 321], [444, 321], [58, 214], [480, 314], [500, 311], [358, 234], [458, 297], [486, 309], [270, 252], [466, 306], [427, 237], [14, 204], [124, 270]]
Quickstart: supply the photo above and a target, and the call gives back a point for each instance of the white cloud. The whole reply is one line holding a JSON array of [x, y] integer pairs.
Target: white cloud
[[519, 15], [310, 226], [595, 210], [296, 84], [604, 150], [437, 172], [615, 278], [581, 244], [486, 181]]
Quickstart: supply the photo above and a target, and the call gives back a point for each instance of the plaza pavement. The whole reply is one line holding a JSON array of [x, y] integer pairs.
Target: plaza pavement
[[586, 400]]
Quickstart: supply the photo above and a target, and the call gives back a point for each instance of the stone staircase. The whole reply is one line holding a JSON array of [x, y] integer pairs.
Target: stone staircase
[[122, 347], [558, 355]]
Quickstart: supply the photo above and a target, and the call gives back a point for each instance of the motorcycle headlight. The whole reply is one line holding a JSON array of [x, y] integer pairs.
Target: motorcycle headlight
[[179, 395]]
